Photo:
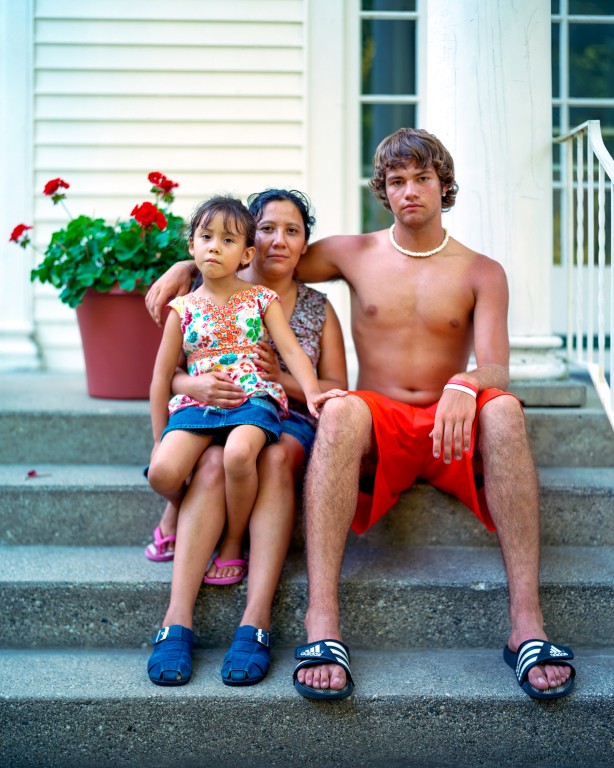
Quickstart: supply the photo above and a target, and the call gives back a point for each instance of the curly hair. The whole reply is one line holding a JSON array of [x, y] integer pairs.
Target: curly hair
[[417, 146]]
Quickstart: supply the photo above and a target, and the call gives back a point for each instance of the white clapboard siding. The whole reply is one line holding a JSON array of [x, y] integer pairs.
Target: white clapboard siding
[[253, 58], [145, 32], [186, 134], [274, 11], [209, 92]]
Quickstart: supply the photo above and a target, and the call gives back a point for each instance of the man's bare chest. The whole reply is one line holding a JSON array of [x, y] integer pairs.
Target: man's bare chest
[[388, 297]]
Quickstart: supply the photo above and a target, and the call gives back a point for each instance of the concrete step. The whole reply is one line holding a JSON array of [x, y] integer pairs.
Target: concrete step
[[81, 430], [415, 597], [113, 505], [412, 708]]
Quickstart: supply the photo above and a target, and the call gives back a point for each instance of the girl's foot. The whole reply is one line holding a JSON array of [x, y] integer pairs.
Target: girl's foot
[[162, 548]]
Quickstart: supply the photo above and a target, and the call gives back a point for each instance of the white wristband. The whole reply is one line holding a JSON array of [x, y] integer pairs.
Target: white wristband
[[461, 388]]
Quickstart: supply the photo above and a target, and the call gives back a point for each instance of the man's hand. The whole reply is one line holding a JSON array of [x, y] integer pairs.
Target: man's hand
[[453, 423], [176, 281]]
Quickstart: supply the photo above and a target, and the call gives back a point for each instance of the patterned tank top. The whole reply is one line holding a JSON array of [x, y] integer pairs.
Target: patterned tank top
[[307, 322]]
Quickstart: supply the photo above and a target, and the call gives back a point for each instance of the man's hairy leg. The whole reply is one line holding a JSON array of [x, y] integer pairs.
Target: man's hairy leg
[[331, 493], [511, 491]]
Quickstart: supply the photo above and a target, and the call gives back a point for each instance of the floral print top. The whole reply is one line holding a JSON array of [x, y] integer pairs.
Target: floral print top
[[226, 339]]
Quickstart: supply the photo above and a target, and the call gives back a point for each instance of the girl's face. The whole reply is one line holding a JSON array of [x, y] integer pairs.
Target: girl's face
[[217, 250], [280, 239]]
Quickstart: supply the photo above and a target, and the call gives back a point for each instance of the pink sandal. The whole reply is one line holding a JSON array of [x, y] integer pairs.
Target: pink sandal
[[226, 580], [158, 549]]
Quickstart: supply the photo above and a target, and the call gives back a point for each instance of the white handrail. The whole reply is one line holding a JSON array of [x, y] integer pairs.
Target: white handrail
[[590, 287]]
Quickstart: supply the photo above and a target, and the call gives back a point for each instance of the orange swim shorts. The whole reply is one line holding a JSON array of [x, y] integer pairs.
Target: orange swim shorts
[[405, 453]]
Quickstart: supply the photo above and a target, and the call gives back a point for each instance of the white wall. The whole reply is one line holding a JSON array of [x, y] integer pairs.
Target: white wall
[[210, 93]]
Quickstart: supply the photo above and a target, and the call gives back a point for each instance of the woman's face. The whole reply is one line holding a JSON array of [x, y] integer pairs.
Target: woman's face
[[280, 239]]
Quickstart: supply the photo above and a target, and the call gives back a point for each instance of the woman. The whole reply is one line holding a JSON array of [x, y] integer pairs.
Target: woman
[[284, 224]]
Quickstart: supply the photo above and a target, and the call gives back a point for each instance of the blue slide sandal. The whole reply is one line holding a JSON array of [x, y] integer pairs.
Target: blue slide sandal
[[323, 652], [533, 652]]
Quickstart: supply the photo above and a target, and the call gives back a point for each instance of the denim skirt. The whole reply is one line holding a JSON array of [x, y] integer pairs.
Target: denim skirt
[[210, 420], [298, 427]]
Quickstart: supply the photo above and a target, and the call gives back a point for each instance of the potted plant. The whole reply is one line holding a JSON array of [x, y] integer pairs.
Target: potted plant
[[104, 271]]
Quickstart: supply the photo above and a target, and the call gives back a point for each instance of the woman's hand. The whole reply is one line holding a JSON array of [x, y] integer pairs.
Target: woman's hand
[[268, 362], [176, 281], [215, 388]]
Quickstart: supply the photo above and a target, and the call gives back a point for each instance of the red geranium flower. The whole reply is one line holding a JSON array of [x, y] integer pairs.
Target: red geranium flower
[[20, 235], [148, 214], [51, 187], [167, 184], [162, 185], [156, 177]]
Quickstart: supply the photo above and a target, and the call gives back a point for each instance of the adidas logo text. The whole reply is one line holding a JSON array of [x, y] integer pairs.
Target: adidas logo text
[[315, 651]]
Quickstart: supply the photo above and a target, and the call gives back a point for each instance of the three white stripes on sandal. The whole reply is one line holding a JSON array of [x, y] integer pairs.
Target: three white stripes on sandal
[[336, 648], [530, 652]]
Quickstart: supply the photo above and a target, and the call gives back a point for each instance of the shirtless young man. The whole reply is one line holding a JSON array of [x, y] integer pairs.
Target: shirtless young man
[[415, 319]]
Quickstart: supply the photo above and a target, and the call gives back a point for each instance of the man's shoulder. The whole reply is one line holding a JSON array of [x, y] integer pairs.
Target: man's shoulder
[[348, 245], [475, 259], [358, 241]]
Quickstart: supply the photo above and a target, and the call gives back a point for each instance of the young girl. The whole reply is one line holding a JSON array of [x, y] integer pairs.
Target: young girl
[[218, 328]]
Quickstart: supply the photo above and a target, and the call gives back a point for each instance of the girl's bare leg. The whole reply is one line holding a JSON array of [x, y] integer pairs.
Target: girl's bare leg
[[201, 521], [173, 461], [241, 451], [168, 521]]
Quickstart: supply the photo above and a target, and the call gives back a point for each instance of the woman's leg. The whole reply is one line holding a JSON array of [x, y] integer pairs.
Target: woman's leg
[[241, 451], [271, 525]]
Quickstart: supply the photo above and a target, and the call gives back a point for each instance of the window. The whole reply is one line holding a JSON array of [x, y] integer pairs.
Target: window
[[582, 81], [582, 78], [388, 87]]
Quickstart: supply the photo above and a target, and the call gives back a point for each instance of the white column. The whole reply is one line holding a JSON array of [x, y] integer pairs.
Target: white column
[[331, 116], [17, 348], [489, 99]]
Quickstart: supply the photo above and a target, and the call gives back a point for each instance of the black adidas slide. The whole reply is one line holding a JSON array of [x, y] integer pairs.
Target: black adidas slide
[[533, 652], [323, 652]]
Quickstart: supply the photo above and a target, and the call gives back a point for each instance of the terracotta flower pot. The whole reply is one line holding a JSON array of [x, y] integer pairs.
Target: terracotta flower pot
[[120, 343]]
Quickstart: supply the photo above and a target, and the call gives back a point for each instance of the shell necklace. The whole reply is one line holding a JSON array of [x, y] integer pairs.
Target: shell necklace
[[419, 254]]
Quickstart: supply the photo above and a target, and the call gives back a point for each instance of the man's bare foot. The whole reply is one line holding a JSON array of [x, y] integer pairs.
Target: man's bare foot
[[541, 676], [324, 677]]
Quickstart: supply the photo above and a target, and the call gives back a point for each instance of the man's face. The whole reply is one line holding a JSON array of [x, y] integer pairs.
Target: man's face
[[414, 193]]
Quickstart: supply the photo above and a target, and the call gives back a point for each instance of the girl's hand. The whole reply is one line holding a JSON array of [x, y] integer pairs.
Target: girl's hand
[[268, 362], [316, 401]]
